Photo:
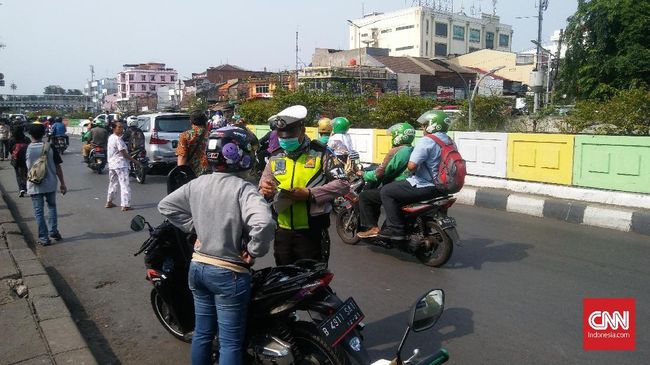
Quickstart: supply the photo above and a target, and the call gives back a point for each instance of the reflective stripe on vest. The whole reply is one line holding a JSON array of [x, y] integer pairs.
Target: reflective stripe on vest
[[301, 173]]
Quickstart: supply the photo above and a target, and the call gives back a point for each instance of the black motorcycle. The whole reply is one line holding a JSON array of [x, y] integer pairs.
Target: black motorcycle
[[97, 159], [430, 233], [327, 333], [139, 171]]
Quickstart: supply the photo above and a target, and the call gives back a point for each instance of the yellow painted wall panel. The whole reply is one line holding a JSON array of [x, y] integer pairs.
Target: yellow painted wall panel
[[382, 145], [540, 157], [312, 132]]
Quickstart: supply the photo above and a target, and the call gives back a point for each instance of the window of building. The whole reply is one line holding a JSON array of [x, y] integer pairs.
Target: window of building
[[524, 59], [386, 30], [123, 95], [130, 77], [441, 29], [405, 27], [427, 26], [364, 34], [426, 48], [440, 49], [152, 87], [172, 78], [489, 40], [459, 33], [403, 48], [162, 78], [143, 87], [262, 89], [152, 77], [504, 40], [475, 35], [131, 87]]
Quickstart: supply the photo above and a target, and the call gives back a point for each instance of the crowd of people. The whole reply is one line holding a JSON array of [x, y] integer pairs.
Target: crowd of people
[[289, 207]]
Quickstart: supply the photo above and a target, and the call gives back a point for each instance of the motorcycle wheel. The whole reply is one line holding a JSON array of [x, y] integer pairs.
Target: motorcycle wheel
[[347, 235], [436, 248], [140, 173], [164, 315], [313, 348]]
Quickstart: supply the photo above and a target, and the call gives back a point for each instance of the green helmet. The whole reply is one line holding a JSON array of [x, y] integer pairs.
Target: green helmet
[[401, 133], [340, 125], [435, 121]]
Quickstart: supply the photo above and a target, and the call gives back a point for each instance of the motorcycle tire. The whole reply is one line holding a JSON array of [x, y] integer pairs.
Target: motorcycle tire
[[313, 348], [140, 174], [162, 312], [442, 248], [346, 235]]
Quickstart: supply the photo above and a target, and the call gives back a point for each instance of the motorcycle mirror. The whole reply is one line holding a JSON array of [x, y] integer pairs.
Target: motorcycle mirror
[[427, 310], [137, 223]]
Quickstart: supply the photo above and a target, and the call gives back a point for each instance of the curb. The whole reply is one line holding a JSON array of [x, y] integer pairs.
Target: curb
[[63, 340], [598, 215]]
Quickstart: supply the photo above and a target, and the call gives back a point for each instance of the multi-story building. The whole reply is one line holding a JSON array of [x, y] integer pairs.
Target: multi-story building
[[421, 31], [144, 79], [98, 90]]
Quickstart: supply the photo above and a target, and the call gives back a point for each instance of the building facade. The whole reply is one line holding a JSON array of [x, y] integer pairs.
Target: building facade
[[144, 79], [518, 66], [424, 32]]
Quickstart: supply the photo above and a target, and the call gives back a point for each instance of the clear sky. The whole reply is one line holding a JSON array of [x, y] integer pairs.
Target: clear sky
[[54, 41]]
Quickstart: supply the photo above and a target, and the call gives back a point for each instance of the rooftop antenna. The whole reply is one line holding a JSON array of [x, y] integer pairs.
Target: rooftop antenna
[[494, 7]]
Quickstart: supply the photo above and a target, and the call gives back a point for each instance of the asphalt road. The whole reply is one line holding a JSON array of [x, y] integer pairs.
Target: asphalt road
[[514, 290]]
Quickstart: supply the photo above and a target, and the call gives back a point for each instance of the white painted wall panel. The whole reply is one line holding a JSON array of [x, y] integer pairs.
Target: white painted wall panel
[[485, 152], [362, 139]]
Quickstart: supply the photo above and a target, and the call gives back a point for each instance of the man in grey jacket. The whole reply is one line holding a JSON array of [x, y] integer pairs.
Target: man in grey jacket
[[233, 225]]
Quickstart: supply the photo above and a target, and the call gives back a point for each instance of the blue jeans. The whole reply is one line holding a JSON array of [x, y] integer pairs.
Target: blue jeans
[[39, 214], [221, 293]]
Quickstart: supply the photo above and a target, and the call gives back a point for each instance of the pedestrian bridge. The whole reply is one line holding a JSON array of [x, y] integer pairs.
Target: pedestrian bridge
[[52, 101]]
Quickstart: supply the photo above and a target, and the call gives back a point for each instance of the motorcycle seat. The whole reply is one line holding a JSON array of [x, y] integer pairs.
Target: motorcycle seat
[[424, 205]]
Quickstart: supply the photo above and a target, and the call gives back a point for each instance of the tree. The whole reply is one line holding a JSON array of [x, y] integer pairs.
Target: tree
[[53, 89], [608, 48], [197, 103], [256, 111], [396, 108], [73, 92], [489, 113]]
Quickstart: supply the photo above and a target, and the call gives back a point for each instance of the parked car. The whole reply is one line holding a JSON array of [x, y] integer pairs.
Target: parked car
[[161, 131]]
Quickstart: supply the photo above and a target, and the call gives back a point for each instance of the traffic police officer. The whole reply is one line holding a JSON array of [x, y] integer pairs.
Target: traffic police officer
[[303, 178]]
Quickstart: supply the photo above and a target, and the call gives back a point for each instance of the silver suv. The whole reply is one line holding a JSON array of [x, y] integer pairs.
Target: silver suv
[[161, 131]]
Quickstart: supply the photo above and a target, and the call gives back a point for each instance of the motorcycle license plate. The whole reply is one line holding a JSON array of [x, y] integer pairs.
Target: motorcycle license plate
[[347, 316], [447, 222]]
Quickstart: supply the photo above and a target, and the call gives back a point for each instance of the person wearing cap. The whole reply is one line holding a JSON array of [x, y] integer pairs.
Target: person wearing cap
[[324, 129], [304, 178]]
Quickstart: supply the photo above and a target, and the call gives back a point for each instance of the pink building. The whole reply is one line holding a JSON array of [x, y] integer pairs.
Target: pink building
[[144, 79]]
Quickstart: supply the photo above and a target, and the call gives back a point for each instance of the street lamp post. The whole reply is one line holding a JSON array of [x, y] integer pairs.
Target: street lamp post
[[359, 48], [471, 98], [548, 67]]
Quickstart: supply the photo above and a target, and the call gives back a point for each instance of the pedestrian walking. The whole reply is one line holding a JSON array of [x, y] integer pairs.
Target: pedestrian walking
[[4, 138], [45, 190], [192, 143], [118, 169], [18, 147]]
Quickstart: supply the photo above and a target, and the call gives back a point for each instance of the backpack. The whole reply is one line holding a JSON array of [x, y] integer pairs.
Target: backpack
[[38, 171], [451, 170]]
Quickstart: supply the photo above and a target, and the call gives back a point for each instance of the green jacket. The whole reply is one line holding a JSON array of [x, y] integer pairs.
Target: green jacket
[[85, 136], [393, 168]]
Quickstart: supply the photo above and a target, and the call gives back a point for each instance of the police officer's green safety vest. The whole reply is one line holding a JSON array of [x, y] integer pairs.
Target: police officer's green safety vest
[[304, 172]]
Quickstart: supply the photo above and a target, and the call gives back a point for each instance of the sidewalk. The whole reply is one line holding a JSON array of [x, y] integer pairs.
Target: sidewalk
[[35, 323]]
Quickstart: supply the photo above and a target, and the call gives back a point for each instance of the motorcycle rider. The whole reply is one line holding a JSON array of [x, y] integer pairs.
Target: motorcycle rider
[[324, 129], [58, 130], [221, 206], [392, 168], [340, 141], [306, 177], [98, 137], [423, 164], [134, 136]]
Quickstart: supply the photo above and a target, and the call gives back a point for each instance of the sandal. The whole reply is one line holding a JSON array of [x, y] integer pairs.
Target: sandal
[[124, 209], [109, 205]]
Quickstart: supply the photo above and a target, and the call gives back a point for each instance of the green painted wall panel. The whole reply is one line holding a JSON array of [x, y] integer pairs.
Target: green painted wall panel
[[261, 130], [610, 162]]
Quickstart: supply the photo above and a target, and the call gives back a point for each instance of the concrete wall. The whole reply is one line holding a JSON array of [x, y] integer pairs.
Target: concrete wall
[[609, 162], [362, 139], [540, 157], [485, 153]]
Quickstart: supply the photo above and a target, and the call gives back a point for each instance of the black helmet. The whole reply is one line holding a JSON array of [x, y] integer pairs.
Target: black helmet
[[229, 150], [58, 120]]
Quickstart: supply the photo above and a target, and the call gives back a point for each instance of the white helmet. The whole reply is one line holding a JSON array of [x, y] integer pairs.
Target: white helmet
[[131, 121], [288, 116]]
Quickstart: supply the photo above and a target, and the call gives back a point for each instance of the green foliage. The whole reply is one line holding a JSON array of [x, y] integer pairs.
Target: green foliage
[[53, 89], [488, 114], [44, 113], [80, 115], [197, 103], [73, 92], [626, 113], [608, 48], [395, 108], [256, 111]]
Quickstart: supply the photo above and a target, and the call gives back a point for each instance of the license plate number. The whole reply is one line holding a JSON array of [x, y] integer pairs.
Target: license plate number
[[337, 326], [447, 222]]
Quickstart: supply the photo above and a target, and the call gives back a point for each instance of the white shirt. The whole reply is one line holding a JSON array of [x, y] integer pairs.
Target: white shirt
[[341, 143], [115, 158]]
